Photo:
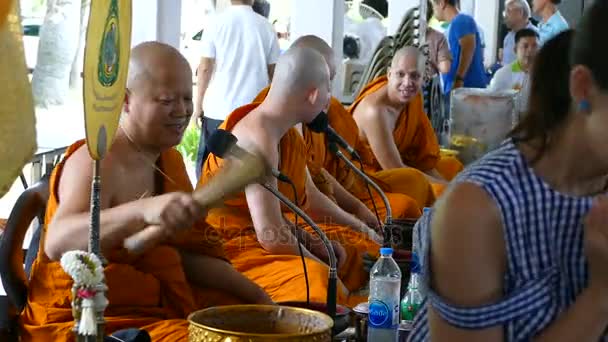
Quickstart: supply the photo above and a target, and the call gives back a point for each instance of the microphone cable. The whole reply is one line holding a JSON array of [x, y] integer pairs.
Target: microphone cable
[[286, 179], [385, 232]]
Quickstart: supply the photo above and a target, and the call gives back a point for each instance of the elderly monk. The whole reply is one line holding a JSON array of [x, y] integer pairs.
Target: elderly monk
[[393, 106], [144, 183], [259, 233], [331, 175]]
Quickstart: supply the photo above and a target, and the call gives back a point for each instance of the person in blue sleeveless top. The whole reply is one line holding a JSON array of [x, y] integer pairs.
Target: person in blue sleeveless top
[[517, 248], [464, 39]]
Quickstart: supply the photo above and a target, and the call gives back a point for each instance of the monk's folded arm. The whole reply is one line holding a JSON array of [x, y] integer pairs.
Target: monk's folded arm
[[208, 272], [346, 200], [380, 138], [273, 233], [322, 208]]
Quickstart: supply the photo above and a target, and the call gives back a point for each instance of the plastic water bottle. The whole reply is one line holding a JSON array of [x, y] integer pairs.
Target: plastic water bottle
[[385, 286], [413, 298]]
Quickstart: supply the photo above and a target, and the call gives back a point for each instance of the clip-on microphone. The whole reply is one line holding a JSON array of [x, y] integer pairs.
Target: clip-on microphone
[[223, 144]]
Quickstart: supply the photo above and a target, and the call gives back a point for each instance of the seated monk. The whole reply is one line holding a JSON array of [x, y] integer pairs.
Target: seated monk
[[144, 183], [260, 235], [348, 189], [393, 106]]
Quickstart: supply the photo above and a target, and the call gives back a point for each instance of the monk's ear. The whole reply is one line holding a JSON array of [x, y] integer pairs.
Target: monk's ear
[[126, 108], [313, 95]]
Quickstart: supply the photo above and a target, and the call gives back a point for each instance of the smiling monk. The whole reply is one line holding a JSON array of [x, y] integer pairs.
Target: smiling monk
[[392, 106]]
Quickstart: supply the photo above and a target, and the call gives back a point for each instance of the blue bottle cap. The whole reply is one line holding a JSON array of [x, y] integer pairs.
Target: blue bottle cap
[[386, 251], [426, 210]]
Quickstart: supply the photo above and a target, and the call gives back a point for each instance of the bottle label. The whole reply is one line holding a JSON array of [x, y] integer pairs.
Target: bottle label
[[409, 310], [382, 315]]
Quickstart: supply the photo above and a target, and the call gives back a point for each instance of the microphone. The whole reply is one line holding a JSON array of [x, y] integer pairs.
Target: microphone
[[333, 136], [222, 143], [333, 148], [224, 146], [321, 125]]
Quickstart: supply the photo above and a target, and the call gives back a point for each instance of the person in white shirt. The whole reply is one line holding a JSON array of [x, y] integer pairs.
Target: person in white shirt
[[239, 51], [517, 16], [515, 75]]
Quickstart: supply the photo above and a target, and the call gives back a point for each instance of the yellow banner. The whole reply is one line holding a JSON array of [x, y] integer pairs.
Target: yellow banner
[[17, 116], [106, 62], [5, 6]]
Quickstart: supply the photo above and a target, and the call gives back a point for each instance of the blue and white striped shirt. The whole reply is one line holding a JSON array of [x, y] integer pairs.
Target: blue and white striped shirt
[[543, 230]]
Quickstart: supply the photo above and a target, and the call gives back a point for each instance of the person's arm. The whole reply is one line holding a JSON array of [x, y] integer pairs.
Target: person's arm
[[274, 234], [273, 54], [444, 56], [350, 203], [380, 138], [206, 66], [271, 72], [207, 272], [69, 229], [476, 248], [205, 73], [321, 208], [467, 51]]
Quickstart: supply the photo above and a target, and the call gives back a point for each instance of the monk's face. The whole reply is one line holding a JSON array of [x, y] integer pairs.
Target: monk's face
[[160, 106], [404, 79]]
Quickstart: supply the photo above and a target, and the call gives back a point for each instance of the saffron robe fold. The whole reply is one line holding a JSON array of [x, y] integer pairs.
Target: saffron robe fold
[[282, 275], [417, 144], [402, 205], [148, 291]]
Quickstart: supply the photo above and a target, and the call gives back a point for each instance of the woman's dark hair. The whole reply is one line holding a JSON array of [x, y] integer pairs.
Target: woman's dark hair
[[588, 48], [549, 101]]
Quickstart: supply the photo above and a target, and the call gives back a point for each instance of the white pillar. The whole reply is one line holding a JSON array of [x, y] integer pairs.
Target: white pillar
[[396, 11], [169, 20], [156, 20], [486, 16], [325, 19]]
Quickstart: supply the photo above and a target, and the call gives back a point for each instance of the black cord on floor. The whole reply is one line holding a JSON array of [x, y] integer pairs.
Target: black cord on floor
[[295, 197]]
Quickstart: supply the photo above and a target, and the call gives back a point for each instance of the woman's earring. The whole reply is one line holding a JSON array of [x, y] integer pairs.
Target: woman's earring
[[584, 106]]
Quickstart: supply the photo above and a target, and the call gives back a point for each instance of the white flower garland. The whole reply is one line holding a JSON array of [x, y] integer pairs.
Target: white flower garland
[[87, 272]]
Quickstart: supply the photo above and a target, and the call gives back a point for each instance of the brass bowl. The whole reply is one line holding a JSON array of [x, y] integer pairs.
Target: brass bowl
[[258, 323]]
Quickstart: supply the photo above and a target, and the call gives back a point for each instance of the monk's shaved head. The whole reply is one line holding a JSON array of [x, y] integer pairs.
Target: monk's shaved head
[[319, 45], [150, 58], [300, 69], [410, 53], [405, 74]]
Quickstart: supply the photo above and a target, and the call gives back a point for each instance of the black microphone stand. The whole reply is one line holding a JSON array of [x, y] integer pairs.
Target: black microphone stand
[[333, 148], [332, 283]]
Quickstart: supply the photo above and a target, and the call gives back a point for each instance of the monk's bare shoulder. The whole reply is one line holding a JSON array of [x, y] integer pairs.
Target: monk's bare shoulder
[[371, 108], [75, 182], [253, 136]]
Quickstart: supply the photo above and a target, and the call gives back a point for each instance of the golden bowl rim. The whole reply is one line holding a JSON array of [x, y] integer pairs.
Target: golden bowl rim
[[248, 306]]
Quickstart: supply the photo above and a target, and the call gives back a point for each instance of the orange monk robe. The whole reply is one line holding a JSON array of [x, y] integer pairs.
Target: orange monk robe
[[415, 140], [402, 206], [282, 275], [149, 291]]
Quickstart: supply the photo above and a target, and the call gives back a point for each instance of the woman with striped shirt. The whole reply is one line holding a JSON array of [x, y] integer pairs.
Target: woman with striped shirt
[[517, 249]]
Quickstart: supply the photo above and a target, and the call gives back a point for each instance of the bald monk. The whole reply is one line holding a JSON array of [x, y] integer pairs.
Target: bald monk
[[144, 183], [259, 233], [347, 188], [392, 106]]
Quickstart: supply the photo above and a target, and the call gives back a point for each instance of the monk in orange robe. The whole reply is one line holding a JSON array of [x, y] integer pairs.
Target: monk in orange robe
[[331, 175], [392, 106], [144, 183], [259, 233]]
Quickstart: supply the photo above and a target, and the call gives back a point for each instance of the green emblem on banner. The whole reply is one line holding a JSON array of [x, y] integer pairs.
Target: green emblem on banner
[[109, 53]]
